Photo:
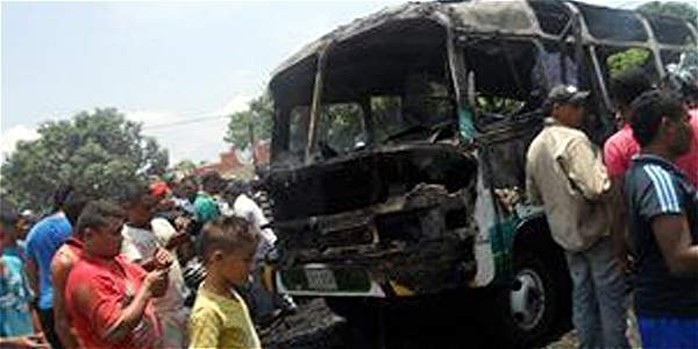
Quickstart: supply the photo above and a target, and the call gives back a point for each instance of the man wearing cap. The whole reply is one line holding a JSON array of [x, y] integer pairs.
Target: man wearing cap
[[565, 173]]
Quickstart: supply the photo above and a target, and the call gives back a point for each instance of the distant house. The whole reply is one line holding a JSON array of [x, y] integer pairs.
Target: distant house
[[230, 165]]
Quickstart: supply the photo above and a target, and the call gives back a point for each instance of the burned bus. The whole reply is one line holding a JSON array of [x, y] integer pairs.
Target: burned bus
[[394, 134]]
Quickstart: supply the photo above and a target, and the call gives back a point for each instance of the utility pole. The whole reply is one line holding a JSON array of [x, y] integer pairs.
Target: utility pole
[[252, 147]]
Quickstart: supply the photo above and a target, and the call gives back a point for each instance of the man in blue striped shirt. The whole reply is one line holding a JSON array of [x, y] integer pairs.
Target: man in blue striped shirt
[[663, 221]]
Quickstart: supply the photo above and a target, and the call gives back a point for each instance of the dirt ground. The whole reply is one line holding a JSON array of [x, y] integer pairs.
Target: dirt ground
[[315, 326]]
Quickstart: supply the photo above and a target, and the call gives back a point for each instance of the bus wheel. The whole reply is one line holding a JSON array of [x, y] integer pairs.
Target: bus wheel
[[538, 299]]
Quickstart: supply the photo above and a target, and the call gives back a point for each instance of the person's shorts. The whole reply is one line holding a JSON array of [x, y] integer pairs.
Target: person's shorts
[[663, 332]]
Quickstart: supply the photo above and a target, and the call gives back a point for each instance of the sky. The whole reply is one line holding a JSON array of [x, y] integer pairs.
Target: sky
[[158, 63]]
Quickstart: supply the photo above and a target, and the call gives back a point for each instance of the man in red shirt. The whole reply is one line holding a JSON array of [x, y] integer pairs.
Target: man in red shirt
[[621, 147], [61, 264], [108, 298]]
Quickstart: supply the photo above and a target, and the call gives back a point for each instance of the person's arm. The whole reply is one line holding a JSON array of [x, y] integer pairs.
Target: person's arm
[[132, 254], [617, 159], [24, 342], [161, 259], [60, 268], [204, 329], [674, 239], [254, 214], [168, 236], [584, 169], [177, 240], [532, 193], [103, 305], [662, 203], [32, 272], [618, 213]]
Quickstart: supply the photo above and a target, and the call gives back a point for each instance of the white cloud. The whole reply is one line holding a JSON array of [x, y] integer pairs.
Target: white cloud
[[196, 136], [14, 134], [150, 117], [237, 103]]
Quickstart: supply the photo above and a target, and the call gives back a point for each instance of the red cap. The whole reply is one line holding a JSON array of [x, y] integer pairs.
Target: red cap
[[159, 189]]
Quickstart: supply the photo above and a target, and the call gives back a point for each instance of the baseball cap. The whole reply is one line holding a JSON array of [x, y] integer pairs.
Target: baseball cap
[[159, 189], [567, 94]]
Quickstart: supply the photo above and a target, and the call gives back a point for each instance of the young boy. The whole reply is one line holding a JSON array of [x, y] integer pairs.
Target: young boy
[[146, 241], [109, 300], [220, 318], [15, 315]]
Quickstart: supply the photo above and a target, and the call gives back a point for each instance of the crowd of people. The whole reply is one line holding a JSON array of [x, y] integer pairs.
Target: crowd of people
[[177, 264], [161, 264], [630, 209]]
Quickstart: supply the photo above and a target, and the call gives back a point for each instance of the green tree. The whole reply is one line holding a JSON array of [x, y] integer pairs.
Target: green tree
[[628, 59], [94, 152], [185, 166], [340, 126], [259, 114]]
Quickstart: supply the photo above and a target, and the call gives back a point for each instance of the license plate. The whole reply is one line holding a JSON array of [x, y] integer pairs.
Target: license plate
[[321, 279]]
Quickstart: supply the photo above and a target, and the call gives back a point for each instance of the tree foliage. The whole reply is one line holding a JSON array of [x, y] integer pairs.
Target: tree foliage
[[628, 59], [94, 152], [185, 166], [259, 114], [340, 126]]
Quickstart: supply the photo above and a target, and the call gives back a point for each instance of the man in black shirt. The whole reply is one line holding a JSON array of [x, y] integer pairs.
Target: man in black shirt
[[663, 221]]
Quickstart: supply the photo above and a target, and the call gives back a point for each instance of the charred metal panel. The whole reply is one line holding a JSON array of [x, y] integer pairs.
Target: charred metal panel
[[365, 178], [670, 30], [552, 15], [613, 24], [406, 239], [503, 147], [536, 18]]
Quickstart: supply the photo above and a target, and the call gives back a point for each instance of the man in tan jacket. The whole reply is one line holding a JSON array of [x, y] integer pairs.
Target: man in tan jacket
[[565, 173]]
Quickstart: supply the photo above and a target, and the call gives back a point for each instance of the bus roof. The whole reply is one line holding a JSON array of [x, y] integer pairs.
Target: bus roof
[[544, 19]]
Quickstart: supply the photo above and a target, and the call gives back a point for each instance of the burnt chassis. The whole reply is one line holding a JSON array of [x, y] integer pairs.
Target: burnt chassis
[[414, 242], [420, 234]]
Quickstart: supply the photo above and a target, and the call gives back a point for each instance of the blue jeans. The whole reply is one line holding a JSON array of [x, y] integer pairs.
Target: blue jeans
[[599, 301], [668, 332]]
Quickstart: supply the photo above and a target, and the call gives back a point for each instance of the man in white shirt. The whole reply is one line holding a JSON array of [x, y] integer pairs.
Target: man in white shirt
[[246, 208], [566, 175], [264, 302], [146, 242]]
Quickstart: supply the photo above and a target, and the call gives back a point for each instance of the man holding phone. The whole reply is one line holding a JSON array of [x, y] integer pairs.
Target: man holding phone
[[109, 299], [148, 242]]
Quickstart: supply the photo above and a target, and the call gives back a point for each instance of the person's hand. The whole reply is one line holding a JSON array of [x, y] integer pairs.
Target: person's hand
[[166, 205], [625, 263], [182, 223], [508, 197], [38, 340], [177, 240], [623, 259], [162, 259], [28, 342], [156, 282]]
